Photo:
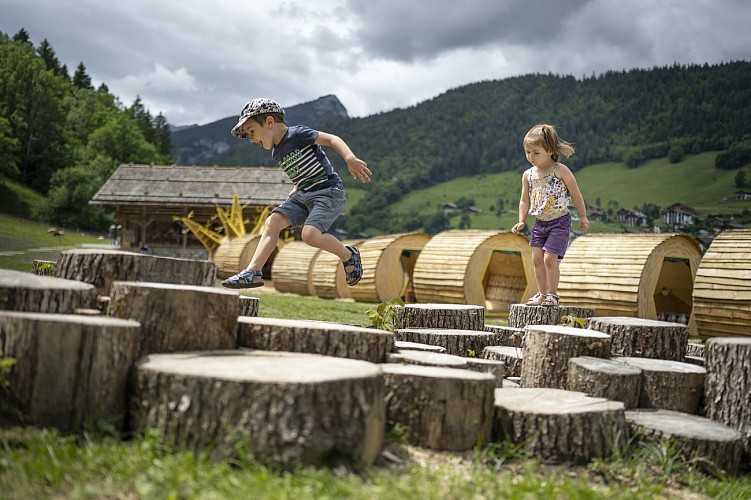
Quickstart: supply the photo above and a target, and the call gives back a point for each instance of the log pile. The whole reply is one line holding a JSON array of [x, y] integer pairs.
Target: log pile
[[314, 337], [223, 402], [177, 317], [28, 292], [449, 316], [643, 338], [71, 371]]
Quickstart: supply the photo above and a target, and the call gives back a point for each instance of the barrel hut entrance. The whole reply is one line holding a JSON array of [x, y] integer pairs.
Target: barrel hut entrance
[[476, 267], [646, 276], [387, 267], [722, 292]]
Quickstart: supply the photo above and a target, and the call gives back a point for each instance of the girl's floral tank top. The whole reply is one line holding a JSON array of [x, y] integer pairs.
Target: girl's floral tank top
[[548, 197]]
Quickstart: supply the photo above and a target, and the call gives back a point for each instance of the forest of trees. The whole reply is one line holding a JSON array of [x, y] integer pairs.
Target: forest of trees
[[63, 138]]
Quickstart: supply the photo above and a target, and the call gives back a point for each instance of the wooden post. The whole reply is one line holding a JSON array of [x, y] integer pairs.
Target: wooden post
[[285, 409], [643, 338], [547, 350], [71, 371]]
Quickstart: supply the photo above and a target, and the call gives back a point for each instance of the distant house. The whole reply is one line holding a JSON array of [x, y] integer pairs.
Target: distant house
[[449, 208], [679, 215], [595, 213], [742, 195], [629, 217]]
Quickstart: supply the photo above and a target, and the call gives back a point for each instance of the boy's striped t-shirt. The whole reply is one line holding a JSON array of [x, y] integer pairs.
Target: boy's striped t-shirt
[[303, 160]]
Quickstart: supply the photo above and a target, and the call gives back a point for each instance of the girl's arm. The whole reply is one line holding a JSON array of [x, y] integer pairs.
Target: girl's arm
[[357, 168], [573, 188], [523, 204]]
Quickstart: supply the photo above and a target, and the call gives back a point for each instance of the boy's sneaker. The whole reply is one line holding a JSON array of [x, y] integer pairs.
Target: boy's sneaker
[[244, 279]]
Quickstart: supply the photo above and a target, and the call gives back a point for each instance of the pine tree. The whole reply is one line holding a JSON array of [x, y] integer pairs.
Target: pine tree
[[47, 53], [81, 79]]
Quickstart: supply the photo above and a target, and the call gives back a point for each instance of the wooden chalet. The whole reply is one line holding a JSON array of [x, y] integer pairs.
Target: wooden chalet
[[147, 197]]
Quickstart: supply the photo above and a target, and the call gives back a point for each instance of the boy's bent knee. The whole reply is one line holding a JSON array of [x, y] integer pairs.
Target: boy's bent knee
[[310, 234]]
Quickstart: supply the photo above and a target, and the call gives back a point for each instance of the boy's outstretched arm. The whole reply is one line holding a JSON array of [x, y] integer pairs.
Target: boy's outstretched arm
[[357, 168]]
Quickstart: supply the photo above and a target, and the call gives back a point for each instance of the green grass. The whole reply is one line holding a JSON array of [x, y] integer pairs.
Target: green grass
[[19, 200]]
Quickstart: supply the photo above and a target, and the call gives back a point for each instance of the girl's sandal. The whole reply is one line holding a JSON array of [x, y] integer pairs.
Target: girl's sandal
[[536, 299], [355, 263], [551, 300]]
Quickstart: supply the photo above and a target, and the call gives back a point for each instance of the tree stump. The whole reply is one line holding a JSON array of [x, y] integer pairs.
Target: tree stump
[[449, 316], [43, 267], [507, 335], [442, 408], [643, 338], [177, 317], [728, 383], [697, 437], [401, 345], [694, 349], [248, 305], [521, 315], [511, 357], [456, 342], [496, 368], [314, 337], [424, 358], [21, 291], [558, 425], [669, 385], [510, 384], [102, 267], [694, 360], [71, 371], [285, 409], [603, 378], [547, 350]]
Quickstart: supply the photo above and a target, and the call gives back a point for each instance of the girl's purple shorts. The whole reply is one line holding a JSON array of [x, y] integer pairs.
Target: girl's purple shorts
[[552, 235]]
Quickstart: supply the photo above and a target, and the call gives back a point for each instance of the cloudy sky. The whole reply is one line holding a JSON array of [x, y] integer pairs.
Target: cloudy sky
[[199, 61]]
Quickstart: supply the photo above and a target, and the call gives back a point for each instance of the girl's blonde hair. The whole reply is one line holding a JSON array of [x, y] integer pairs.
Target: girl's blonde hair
[[545, 136]]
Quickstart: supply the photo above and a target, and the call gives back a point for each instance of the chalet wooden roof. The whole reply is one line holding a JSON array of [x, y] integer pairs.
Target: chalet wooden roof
[[193, 185]]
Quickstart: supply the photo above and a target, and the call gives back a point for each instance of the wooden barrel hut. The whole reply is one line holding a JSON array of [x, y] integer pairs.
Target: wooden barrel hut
[[388, 265], [292, 268], [646, 275], [486, 268], [234, 254], [722, 291], [328, 277]]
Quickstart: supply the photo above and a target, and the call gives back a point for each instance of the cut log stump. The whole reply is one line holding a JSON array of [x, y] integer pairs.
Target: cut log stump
[[424, 358], [643, 338], [558, 425], [669, 385], [71, 371], [507, 335], [177, 317], [728, 383], [285, 409], [449, 316], [512, 358], [547, 350], [314, 337], [456, 342], [102, 267], [496, 368], [697, 437], [604, 378], [28, 292], [521, 315], [695, 349], [248, 305], [442, 408], [43, 267], [401, 345]]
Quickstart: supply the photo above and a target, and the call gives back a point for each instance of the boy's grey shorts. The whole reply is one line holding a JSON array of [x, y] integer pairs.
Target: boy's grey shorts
[[314, 208]]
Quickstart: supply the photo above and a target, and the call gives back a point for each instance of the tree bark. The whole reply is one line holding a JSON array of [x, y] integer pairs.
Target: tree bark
[[424, 358], [248, 305], [71, 371], [547, 350], [507, 335], [282, 409], [697, 437], [457, 342], [496, 368], [177, 317], [442, 408], [315, 337], [400, 345], [521, 315], [694, 349], [728, 383], [558, 425], [449, 316], [603, 378], [669, 385], [21, 291], [512, 358], [43, 267], [102, 267], [643, 338]]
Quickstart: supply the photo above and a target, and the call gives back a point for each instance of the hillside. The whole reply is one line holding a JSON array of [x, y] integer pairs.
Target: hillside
[[213, 144]]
